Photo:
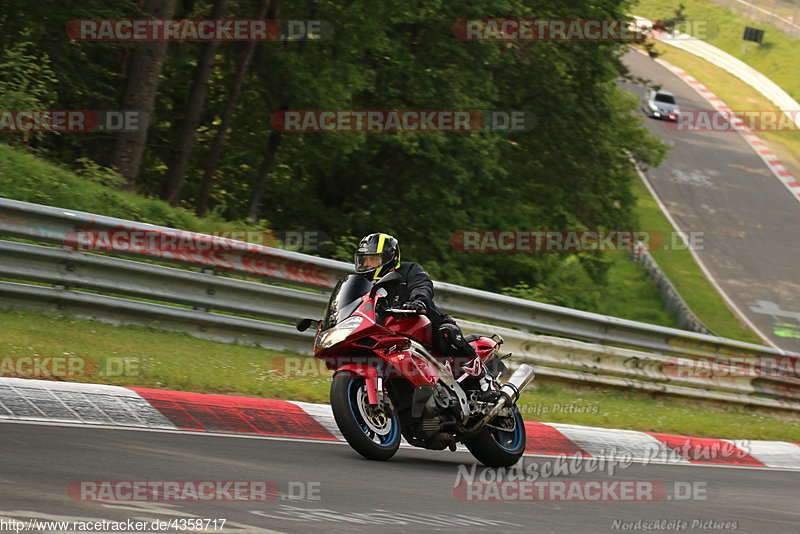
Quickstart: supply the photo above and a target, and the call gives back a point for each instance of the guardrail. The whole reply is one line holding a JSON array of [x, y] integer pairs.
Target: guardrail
[[567, 359], [195, 298]]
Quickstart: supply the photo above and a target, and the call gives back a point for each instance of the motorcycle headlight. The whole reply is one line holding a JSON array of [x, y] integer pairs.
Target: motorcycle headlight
[[339, 333]]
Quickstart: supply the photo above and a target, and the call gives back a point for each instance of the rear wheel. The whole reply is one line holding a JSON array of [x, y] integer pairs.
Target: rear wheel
[[372, 431], [501, 443]]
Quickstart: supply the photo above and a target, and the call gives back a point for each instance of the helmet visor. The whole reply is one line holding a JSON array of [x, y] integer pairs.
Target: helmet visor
[[366, 262]]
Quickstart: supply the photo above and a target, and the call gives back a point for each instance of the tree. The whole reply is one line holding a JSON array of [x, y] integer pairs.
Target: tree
[[196, 101], [230, 106], [263, 175], [140, 94]]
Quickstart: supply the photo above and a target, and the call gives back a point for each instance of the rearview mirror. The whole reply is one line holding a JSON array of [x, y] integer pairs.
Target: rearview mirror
[[303, 323]]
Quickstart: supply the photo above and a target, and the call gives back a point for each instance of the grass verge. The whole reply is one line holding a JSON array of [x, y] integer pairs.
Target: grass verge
[[631, 294], [145, 357]]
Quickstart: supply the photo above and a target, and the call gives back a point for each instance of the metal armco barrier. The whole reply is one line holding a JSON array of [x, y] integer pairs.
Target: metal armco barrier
[[229, 309], [598, 364]]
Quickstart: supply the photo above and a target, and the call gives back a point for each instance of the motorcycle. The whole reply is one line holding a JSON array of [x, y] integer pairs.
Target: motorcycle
[[389, 383]]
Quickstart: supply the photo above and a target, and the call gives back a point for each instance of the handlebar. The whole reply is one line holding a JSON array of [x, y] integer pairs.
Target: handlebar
[[403, 311]]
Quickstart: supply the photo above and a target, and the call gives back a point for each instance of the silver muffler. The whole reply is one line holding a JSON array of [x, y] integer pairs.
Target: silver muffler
[[510, 392], [520, 379]]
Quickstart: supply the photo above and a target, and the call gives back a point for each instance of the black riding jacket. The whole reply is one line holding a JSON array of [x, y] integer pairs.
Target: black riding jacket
[[416, 285]]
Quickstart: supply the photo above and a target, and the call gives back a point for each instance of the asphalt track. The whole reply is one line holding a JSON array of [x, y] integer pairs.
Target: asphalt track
[[715, 184], [411, 493]]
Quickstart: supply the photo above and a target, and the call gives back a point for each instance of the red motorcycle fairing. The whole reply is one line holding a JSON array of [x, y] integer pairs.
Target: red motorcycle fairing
[[382, 351], [418, 328], [485, 347], [396, 362]]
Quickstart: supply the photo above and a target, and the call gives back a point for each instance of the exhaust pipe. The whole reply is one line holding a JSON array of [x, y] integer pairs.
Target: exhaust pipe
[[510, 391], [520, 379]]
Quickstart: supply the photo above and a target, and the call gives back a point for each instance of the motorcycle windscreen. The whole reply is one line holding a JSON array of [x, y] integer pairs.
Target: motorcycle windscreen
[[345, 299]]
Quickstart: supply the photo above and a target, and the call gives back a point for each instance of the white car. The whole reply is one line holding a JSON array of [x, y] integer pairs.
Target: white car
[[662, 105]]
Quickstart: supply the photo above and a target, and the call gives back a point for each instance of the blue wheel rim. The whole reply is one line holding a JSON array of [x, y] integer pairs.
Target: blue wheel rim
[[387, 440], [509, 441]]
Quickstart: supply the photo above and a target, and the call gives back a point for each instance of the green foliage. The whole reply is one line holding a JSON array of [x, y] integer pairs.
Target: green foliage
[[26, 83], [343, 248], [570, 286], [98, 174], [26, 80], [677, 17]]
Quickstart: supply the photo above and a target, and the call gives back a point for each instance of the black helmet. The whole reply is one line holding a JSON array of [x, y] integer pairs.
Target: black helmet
[[377, 254]]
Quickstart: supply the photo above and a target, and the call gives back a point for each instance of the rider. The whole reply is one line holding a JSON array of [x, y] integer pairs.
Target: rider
[[379, 254]]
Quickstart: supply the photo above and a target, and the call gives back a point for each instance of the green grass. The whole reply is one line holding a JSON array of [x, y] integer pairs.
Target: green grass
[[631, 294], [177, 361]]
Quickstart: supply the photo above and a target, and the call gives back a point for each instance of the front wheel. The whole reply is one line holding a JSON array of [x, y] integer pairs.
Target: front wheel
[[501, 443], [372, 431]]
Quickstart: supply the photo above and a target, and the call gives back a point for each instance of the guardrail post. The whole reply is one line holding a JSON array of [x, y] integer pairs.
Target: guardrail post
[[209, 291]]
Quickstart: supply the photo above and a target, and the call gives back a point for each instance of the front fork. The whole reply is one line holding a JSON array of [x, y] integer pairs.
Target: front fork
[[373, 382]]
